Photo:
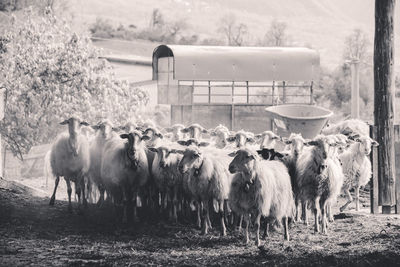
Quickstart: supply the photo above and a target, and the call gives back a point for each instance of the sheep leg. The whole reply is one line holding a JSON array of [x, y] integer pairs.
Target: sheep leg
[[266, 228], [349, 200], [101, 198], [329, 212], [304, 212], [246, 219], [222, 218], [53, 197], [69, 191], [286, 228], [84, 201], [357, 198], [297, 204], [316, 214], [175, 203], [135, 216], [199, 208], [125, 207], [205, 215], [208, 216], [257, 221], [240, 224], [324, 221]]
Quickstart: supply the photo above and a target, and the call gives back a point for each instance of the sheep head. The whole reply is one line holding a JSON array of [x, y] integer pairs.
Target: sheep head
[[105, 128], [364, 144], [296, 142], [74, 125], [244, 161], [241, 138], [268, 139], [134, 144], [192, 159], [195, 130]]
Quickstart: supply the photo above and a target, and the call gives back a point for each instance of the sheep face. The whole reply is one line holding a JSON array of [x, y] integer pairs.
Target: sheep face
[[365, 143], [296, 142], [194, 130], [268, 139], [154, 136], [105, 129], [244, 161], [323, 145], [192, 159], [74, 125], [133, 145], [241, 138]]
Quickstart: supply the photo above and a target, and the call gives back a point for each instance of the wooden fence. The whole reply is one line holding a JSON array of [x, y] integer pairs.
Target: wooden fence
[[380, 185]]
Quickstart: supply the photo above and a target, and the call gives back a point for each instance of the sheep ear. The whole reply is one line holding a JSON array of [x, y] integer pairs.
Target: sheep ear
[[204, 144], [205, 131], [258, 136], [178, 151], [347, 131], [124, 136], [95, 127], [185, 130], [115, 129], [182, 143], [311, 143], [250, 140], [231, 139], [279, 155], [374, 143], [64, 122], [232, 154], [145, 138], [168, 129], [276, 137], [152, 149], [286, 141], [160, 135], [212, 133], [84, 123]]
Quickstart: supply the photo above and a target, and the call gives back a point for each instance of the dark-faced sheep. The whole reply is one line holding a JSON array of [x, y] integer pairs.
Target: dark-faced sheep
[[124, 169], [260, 188], [70, 158]]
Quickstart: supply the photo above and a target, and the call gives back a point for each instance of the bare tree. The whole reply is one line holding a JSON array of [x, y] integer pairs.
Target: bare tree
[[276, 34], [356, 46], [234, 32], [157, 19]]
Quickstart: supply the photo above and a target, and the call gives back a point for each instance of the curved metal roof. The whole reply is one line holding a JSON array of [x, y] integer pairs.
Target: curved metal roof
[[225, 63]]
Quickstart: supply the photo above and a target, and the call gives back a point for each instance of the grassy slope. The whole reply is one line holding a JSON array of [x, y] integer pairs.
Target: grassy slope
[[321, 23]]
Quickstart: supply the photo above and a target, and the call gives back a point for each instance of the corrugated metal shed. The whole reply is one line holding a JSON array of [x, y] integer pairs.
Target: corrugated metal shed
[[224, 63]]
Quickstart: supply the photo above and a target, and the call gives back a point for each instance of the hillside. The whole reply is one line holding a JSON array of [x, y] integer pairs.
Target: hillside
[[323, 24]]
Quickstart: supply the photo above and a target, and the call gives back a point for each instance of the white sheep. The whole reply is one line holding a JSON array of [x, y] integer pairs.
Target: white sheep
[[104, 133], [195, 131], [70, 158], [347, 127], [124, 169], [167, 177], [208, 181], [318, 178], [270, 140], [260, 188], [220, 134], [242, 139], [176, 132], [155, 137], [356, 167]]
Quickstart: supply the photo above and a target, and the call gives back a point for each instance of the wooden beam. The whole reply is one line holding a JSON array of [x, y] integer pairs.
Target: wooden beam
[[397, 160], [374, 178], [383, 100]]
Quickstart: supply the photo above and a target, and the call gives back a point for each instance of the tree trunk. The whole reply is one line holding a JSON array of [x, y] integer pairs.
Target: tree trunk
[[383, 101]]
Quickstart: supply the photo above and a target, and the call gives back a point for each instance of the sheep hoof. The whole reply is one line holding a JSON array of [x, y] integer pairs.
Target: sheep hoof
[[258, 243], [341, 209]]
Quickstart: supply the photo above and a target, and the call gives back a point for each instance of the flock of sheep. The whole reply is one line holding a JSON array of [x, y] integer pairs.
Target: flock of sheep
[[180, 173]]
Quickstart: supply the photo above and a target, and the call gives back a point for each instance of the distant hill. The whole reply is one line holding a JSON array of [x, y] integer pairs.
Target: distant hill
[[323, 24]]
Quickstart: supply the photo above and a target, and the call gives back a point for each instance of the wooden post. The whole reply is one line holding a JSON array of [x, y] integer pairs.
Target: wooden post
[[2, 108], [284, 92], [397, 160], [383, 100], [374, 179], [355, 88]]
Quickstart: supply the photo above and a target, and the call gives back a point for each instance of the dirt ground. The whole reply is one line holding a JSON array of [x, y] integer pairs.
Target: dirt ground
[[33, 233]]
